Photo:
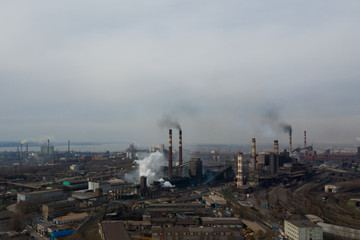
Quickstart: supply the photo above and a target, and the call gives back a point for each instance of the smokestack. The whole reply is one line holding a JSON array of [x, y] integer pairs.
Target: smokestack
[[68, 146], [27, 148], [48, 148], [239, 182], [276, 146], [21, 151], [304, 139], [290, 143], [170, 154], [253, 148], [143, 184], [180, 147]]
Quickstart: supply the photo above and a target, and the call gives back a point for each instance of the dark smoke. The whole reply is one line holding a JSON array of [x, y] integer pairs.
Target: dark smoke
[[272, 117], [271, 114], [286, 127], [169, 122]]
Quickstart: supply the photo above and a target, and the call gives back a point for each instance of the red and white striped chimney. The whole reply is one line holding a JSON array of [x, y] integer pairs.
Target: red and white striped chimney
[[240, 178], [180, 147], [170, 154]]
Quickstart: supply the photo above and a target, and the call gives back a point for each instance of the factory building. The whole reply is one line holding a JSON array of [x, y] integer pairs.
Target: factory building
[[196, 169], [70, 218], [106, 186], [225, 222], [214, 200], [43, 196], [112, 230], [59, 208], [159, 210], [191, 233], [302, 230]]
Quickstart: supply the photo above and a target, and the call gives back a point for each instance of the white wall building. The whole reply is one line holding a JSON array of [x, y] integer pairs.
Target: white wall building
[[332, 188], [302, 230]]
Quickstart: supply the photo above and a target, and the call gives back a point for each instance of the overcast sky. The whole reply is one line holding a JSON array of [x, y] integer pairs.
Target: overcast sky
[[226, 70]]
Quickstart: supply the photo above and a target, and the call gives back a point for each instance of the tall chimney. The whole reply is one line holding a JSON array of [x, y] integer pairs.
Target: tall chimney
[[27, 148], [239, 182], [48, 147], [21, 151], [180, 147], [290, 143], [68, 146], [276, 146], [304, 139], [253, 154], [170, 154], [253, 148]]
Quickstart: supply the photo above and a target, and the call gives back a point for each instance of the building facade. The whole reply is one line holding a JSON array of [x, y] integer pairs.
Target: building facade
[[302, 230]]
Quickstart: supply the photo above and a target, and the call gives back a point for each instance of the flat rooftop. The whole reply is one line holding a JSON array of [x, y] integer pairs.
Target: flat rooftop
[[223, 220], [43, 191], [303, 223], [72, 216], [114, 230]]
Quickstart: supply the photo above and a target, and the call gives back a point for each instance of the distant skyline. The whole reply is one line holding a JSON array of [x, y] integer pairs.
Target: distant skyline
[[111, 71]]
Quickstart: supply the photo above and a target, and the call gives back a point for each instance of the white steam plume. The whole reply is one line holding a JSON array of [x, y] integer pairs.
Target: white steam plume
[[150, 167], [166, 184]]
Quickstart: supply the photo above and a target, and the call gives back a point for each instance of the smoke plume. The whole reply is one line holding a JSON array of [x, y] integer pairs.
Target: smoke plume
[[273, 119], [150, 167], [358, 139], [286, 127], [169, 122]]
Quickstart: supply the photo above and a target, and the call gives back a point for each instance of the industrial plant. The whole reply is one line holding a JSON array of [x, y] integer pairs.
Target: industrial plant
[[165, 192]]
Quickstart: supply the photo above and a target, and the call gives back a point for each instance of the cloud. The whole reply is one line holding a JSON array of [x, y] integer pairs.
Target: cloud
[[112, 68]]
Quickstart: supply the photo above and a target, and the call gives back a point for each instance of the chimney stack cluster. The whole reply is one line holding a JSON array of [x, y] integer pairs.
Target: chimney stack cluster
[[170, 170]]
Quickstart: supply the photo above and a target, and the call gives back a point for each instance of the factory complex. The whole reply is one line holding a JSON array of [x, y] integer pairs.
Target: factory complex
[[163, 193]]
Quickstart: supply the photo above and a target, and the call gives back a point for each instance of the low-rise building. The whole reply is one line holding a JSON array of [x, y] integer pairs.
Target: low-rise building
[[70, 218], [332, 188], [42, 196], [164, 209], [340, 231], [59, 208], [106, 186], [191, 233], [302, 230], [226, 222], [112, 230], [214, 200], [45, 228]]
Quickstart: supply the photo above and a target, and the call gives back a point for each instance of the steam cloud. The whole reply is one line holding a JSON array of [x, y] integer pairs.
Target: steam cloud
[[169, 122], [166, 184], [150, 167], [358, 139]]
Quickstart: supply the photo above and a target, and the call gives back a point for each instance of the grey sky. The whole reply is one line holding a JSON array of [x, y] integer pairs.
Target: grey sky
[[110, 70]]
